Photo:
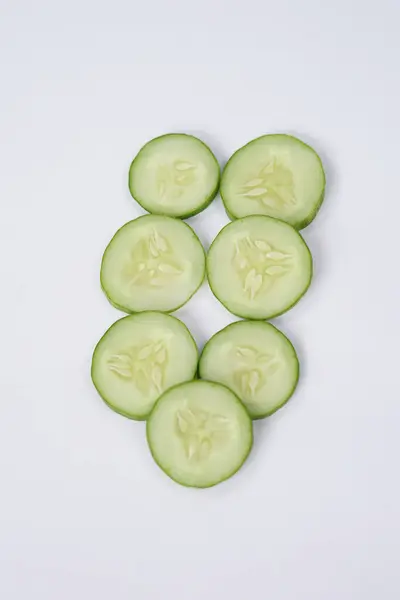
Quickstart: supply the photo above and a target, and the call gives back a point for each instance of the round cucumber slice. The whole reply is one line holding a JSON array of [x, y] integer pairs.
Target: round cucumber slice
[[199, 433], [276, 175], [152, 263], [259, 267], [256, 361], [175, 175], [140, 357]]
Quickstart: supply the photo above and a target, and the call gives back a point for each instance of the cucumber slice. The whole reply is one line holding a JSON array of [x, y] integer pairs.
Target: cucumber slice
[[259, 267], [175, 175], [152, 263], [199, 433], [276, 175], [138, 358], [256, 361]]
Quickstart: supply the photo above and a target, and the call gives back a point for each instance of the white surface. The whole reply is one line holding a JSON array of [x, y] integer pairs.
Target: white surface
[[84, 512]]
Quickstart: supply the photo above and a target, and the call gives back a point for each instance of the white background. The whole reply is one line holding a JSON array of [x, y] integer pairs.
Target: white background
[[84, 512]]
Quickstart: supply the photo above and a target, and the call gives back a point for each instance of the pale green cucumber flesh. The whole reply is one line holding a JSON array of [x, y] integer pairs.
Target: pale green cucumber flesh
[[199, 433], [175, 175], [152, 263], [259, 267], [276, 175], [138, 358], [256, 361]]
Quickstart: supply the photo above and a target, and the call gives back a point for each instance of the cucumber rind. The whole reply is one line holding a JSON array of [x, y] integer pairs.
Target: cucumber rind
[[135, 416], [237, 467], [183, 215], [245, 315], [301, 224], [206, 348], [126, 309]]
